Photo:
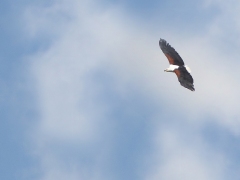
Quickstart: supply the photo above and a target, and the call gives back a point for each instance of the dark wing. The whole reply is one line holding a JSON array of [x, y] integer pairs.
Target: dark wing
[[185, 78], [170, 53]]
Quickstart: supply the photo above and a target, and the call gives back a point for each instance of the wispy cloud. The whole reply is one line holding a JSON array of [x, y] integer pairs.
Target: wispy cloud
[[182, 157], [95, 50]]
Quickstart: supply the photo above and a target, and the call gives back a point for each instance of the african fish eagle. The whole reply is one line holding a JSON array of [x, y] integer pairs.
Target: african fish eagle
[[177, 65]]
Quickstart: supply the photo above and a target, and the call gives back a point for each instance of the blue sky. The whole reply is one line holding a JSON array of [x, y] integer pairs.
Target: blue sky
[[84, 95]]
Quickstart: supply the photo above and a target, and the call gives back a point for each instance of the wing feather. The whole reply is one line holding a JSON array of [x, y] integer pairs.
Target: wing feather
[[172, 56], [185, 78]]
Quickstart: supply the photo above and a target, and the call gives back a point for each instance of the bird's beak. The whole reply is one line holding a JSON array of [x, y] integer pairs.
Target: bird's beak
[[165, 70]]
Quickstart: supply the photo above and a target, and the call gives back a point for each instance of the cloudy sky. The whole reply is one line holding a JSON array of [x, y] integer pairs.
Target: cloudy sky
[[84, 95]]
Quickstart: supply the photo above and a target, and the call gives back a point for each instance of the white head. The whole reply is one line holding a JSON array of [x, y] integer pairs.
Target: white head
[[171, 68]]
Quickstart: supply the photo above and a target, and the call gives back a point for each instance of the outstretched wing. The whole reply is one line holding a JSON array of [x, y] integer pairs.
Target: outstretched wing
[[185, 78], [170, 53]]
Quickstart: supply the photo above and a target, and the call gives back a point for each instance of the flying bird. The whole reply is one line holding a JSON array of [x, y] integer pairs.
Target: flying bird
[[177, 65]]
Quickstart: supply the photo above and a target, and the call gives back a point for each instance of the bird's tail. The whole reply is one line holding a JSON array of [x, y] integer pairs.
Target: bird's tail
[[187, 68]]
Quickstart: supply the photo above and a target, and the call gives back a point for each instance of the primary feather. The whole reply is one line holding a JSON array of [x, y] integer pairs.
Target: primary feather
[[170, 53]]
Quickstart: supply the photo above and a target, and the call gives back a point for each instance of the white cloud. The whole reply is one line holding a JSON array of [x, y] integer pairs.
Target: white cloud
[[89, 38], [185, 158]]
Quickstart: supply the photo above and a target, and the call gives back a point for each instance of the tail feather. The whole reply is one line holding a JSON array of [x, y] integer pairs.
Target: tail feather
[[188, 86], [188, 68]]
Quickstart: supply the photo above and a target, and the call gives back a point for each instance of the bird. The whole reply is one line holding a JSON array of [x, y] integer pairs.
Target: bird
[[177, 65]]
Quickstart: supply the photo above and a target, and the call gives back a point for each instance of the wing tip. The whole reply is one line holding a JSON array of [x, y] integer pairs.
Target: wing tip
[[164, 45], [191, 88], [162, 42]]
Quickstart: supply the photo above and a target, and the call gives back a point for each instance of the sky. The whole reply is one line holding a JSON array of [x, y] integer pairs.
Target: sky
[[84, 95]]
